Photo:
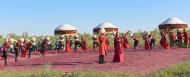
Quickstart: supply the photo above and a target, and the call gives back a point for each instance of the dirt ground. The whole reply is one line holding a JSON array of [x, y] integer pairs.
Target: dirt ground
[[140, 61]]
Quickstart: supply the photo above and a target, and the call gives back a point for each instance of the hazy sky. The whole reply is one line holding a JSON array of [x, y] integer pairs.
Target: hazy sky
[[42, 16]]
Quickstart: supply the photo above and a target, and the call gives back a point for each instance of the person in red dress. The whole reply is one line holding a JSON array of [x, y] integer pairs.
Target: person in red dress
[[185, 35], [102, 47], [44, 45], [67, 46], [146, 41], [118, 44], [83, 43], [107, 42], [179, 38], [136, 41], [6, 47], [164, 41], [126, 41], [172, 39], [24, 48], [17, 48], [30, 46]]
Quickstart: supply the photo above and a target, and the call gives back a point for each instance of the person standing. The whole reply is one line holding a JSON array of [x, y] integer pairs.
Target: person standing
[[126, 41], [118, 44], [102, 47], [77, 43], [136, 41], [17, 48], [24, 48], [44, 45], [67, 46], [185, 35], [83, 43], [6, 47], [179, 38], [164, 42], [61, 43], [30, 46], [172, 39], [107, 42], [146, 41], [95, 42]]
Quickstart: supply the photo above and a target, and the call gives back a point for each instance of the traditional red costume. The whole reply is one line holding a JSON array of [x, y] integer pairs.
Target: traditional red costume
[[179, 37], [67, 48], [164, 42], [118, 57], [107, 44], [7, 45], [102, 48], [186, 41], [24, 49], [147, 42], [43, 49], [83, 42], [126, 43]]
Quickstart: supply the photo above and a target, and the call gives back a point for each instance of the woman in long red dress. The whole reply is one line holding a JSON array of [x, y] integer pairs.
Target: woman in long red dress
[[164, 42], [107, 42], [146, 42], [102, 47], [125, 41], [186, 41], [83, 47], [118, 44], [67, 48], [179, 38], [24, 48]]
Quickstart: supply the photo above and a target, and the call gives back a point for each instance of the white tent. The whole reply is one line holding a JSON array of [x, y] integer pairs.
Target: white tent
[[65, 29], [106, 25], [110, 28], [172, 20], [172, 23]]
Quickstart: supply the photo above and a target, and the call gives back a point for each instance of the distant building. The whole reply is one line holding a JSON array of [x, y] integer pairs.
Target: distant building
[[109, 28], [172, 24], [65, 29]]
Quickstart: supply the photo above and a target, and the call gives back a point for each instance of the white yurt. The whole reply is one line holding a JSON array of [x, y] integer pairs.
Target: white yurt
[[65, 29], [109, 28], [172, 24]]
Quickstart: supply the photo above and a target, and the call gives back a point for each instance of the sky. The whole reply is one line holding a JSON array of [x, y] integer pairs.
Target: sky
[[41, 17]]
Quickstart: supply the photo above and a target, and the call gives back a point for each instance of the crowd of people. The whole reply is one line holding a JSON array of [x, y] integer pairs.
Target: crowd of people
[[121, 42]]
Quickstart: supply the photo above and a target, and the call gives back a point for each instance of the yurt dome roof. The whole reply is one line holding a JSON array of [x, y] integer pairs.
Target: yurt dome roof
[[172, 20], [65, 27], [106, 25]]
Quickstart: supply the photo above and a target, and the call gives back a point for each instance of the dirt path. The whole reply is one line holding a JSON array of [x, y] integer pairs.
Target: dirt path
[[140, 61]]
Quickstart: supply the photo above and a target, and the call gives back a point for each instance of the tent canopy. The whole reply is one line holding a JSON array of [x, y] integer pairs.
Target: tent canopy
[[172, 20], [65, 27], [105, 25]]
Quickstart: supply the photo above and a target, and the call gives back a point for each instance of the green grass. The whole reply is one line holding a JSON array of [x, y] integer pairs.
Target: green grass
[[60, 74], [178, 70]]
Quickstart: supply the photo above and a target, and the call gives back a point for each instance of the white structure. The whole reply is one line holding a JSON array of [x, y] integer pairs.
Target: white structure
[[173, 23], [110, 28], [65, 29]]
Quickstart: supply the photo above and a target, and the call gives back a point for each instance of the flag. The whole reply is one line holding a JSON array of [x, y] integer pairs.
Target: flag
[[7, 39]]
